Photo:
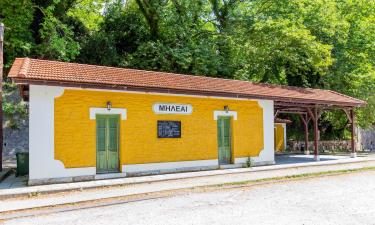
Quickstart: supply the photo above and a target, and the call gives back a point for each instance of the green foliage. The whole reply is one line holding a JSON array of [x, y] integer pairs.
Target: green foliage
[[353, 72], [11, 108], [105, 55], [249, 162], [57, 38], [9, 87], [88, 12], [321, 43], [120, 33], [282, 52], [41, 29], [13, 124], [17, 17]]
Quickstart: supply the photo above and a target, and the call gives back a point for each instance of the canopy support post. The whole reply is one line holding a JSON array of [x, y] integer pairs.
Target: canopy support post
[[315, 117], [316, 135], [351, 118], [305, 119], [353, 154]]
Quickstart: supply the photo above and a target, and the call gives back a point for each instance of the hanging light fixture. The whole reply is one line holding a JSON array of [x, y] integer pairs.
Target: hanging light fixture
[[226, 108], [109, 105]]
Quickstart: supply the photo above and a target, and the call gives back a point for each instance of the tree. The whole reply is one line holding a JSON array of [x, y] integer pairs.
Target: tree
[[321, 43], [353, 72], [17, 17], [89, 12], [56, 39], [151, 11]]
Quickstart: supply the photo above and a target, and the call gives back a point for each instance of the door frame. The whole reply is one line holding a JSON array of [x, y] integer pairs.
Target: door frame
[[118, 170], [231, 161]]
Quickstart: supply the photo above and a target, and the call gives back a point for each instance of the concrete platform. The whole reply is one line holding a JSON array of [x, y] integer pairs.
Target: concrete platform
[[292, 160], [300, 158], [12, 181], [60, 194], [5, 173]]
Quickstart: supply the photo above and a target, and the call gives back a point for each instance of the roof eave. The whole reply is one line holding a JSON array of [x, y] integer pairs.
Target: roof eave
[[22, 80]]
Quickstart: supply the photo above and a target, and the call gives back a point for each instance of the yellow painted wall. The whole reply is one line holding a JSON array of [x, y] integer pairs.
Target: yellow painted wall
[[279, 138], [75, 133]]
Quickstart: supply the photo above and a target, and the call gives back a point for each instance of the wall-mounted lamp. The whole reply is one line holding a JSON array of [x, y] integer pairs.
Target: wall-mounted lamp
[[109, 105], [226, 108]]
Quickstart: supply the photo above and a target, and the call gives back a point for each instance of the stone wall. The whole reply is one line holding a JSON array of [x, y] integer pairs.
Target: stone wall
[[365, 141], [368, 138], [16, 127], [324, 146], [15, 139]]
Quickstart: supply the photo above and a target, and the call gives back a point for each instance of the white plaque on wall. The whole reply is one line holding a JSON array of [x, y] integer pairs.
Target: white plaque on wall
[[172, 108]]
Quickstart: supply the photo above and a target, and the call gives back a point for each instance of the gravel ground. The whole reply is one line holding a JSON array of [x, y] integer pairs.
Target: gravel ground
[[340, 199]]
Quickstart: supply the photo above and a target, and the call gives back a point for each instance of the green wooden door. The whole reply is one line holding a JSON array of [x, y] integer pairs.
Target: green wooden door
[[224, 139], [107, 143], [101, 145]]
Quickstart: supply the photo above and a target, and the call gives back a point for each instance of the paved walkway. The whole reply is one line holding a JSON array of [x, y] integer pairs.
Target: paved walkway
[[4, 173], [158, 183], [295, 159], [13, 182]]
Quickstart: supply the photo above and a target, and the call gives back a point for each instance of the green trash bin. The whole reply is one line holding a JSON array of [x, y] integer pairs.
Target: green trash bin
[[22, 163]]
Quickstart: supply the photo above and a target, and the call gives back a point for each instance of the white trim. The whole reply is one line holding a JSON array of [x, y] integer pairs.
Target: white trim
[[42, 163], [136, 168], [267, 155], [225, 113], [243, 160], [159, 93], [113, 111]]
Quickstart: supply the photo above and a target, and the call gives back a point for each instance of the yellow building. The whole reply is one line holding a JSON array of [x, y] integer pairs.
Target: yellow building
[[93, 122], [280, 137]]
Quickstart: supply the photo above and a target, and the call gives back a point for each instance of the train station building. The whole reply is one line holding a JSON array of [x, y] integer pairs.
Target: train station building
[[94, 122]]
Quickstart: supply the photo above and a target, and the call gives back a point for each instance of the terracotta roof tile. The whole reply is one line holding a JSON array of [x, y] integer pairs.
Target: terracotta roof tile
[[26, 70]]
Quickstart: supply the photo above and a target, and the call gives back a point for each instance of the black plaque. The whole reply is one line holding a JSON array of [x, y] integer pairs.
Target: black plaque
[[169, 129]]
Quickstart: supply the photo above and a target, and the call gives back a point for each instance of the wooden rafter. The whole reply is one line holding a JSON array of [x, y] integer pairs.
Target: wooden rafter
[[309, 112], [348, 114]]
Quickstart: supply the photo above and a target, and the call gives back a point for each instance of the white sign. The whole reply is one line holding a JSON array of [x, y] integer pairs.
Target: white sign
[[172, 108]]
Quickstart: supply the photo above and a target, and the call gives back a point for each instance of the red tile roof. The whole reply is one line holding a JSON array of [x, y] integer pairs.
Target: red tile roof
[[26, 70]]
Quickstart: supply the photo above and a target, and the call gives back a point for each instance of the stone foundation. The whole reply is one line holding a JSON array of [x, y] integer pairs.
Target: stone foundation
[[324, 146]]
